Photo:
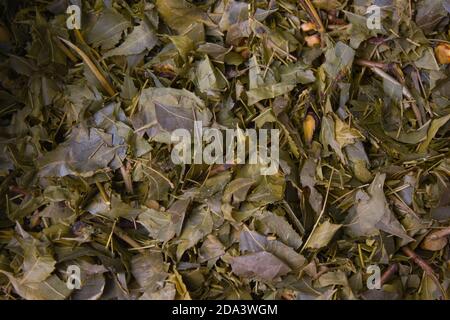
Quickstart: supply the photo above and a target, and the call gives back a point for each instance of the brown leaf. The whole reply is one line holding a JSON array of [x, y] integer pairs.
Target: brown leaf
[[433, 243], [442, 52]]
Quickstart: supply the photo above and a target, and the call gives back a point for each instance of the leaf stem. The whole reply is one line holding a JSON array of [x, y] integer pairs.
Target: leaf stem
[[312, 12], [101, 78], [424, 266], [321, 212]]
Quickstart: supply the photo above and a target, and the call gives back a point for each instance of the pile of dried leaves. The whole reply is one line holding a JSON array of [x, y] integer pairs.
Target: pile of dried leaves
[[87, 179]]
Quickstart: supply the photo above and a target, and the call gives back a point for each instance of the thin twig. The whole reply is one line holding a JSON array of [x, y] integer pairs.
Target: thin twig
[[312, 12], [65, 50], [125, 237], [103, 193], [371, 64], [419, 261], [390, 271], [425, 267], [126, 178], [91, 65], [321, 212]]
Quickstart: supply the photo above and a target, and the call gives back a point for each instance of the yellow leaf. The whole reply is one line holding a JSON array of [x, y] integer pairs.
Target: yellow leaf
[[442, 52], [308, 26], [309, 126], [345, 134], [432, 243], [313, 40]]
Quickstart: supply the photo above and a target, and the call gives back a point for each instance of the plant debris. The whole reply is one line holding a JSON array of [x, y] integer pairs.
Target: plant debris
[[92, 205]]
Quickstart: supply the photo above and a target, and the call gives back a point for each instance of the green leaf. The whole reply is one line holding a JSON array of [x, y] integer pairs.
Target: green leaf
[[251, 241], [268, 92], [269, 222], [372, 213], [338, 59], [322, 235], [435, 125], [107, 30], [149, 270], [263, 265], [163, 226], [50, 289], [140, 39], [163, 110], [198, 224]]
